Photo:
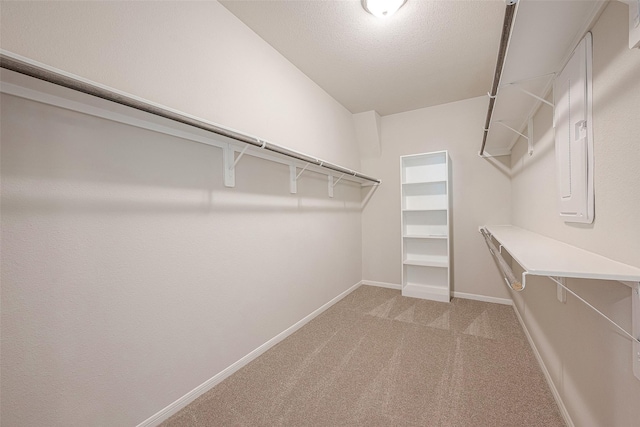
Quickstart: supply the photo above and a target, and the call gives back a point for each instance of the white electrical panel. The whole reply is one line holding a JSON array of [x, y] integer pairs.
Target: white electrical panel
[[574, 136]]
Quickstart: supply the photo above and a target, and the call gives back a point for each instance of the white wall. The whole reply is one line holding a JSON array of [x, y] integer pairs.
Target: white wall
[[589, 362], [130, 274], [481, 194]]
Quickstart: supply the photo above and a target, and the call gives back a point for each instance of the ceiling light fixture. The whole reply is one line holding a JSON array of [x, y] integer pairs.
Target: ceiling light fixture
[[382, 8]]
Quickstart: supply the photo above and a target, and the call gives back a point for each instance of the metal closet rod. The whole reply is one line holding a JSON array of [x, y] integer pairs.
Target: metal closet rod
[[507, 272], [509, 14], [41, 73]]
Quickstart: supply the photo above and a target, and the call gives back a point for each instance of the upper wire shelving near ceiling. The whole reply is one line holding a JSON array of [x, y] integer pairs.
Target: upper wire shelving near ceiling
[[543, 35]]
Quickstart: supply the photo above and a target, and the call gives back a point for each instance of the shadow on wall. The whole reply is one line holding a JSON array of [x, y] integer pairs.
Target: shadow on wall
[[62, 161]]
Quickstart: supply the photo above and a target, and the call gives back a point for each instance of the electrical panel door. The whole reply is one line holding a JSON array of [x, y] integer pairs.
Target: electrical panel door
[[574, 136]]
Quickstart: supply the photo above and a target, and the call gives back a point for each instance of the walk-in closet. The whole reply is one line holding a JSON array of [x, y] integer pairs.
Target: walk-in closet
[[320, 213]]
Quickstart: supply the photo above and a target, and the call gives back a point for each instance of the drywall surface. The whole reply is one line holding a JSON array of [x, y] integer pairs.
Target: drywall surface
[[480, 190], [588, 360], [130, 274], [192, 56]]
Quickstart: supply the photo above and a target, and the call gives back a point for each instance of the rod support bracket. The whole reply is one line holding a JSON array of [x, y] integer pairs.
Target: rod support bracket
[[293, 179], [330, 178], [228, 168]]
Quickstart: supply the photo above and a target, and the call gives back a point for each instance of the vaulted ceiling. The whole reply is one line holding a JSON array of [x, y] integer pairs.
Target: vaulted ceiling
[[430, 52]]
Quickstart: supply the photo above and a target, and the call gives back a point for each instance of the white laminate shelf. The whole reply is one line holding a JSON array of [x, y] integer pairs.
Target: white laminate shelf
[[435, 208], [542, 256], [431, 261], [420, 236], [431, 181]]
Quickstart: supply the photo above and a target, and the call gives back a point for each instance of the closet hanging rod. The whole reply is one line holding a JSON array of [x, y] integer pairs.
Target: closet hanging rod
[[509, 13], [24, 66], [507, 272]]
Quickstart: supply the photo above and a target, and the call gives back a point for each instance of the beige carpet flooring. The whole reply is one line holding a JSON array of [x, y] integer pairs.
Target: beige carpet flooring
[[377, 358]]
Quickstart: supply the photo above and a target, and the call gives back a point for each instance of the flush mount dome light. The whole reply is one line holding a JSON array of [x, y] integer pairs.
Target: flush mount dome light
[[382, 8]]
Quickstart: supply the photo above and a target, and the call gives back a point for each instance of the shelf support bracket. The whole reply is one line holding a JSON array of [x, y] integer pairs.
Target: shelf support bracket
[[333, 184], [336, 183], [293, 180], [228, 163], [528, 137], [294, 175], [635, 319], [531, 94], [303, 169], [561, 293], [510, 128], [244, 150], [330, 185]]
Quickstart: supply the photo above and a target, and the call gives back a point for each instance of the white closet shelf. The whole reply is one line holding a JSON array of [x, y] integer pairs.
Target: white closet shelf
[[433, 261], [434, 181], [528, 72], [425, 210], [425, 236], [425, 291], [542, 256]]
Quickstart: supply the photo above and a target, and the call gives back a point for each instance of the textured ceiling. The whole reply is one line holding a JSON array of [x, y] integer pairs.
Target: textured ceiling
[[428, 53]]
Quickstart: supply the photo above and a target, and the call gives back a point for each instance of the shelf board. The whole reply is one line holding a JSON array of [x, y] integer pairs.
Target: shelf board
[[542, 256], [434, 181], [427, 236], [425, 291], [424, 210], [434, 261]]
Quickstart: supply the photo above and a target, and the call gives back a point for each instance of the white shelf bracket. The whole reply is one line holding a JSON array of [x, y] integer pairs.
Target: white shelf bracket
[[531, 94], [511, 129], [561, 293], [333, 184], [528, 137], [336, 183], [635, 319], [330, 185], [293, 179], [303, 169], [294, 175], [244, 150], [228, 154]]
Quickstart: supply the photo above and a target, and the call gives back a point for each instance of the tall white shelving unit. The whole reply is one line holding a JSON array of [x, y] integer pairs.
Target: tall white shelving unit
[[426, 225]]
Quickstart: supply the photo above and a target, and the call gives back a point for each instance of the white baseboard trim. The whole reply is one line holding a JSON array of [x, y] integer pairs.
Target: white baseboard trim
[[464, 295], [381, 284], [545, 371], [176, 406]]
